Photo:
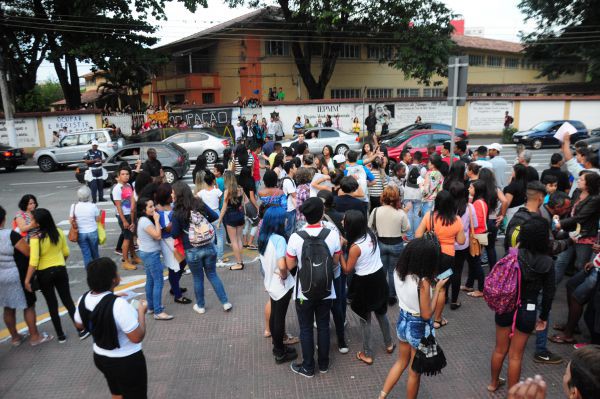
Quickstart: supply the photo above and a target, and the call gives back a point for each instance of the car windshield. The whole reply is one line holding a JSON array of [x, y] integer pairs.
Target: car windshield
[[542, 126], [401, 138]]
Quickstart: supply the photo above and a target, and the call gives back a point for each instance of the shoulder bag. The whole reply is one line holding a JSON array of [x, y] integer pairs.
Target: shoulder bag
[[483, 237], [74, 230], [474, 246]]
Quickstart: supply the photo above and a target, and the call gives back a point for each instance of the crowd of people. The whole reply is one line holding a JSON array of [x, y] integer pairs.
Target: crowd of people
[[330, 231]]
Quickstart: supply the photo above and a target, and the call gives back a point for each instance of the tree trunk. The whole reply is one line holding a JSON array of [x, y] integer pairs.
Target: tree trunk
[[302, 58], [69, 87]]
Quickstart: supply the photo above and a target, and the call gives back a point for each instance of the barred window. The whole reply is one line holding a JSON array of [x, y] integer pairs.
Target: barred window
[[379, 93], [428, 92], [350, 51], [475, 60], [511, 62], [345, 93], [494, 61], [277, 48], [379, 52], [408, 92]]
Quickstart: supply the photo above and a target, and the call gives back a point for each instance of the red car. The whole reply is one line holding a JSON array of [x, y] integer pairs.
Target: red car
[[417, 140]]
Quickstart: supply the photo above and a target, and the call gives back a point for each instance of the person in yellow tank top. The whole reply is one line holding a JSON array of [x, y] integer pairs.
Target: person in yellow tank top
[[355, 126]]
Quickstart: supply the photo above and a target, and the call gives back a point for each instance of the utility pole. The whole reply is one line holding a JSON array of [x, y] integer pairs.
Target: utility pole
[[457, 91], [7, 104]]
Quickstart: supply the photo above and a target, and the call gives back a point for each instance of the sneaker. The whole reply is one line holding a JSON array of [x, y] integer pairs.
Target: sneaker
[[128, 266], [547, 358], [227, 307], [83, 334], [220, 263], [119, 252], [323, 371], [62, 339], [343, 347], [289, 355], [199, 310], [298, 369], [579, 346]]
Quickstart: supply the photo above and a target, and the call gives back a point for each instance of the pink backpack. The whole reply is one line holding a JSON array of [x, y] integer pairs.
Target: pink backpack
[[502, 287]]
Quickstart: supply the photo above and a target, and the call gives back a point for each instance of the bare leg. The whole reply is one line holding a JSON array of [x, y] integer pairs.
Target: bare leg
[[239, 231], [10, 320], [500, 351], [30, 320], [267, 317], [125, 247], [515, 356], [439, 307], [414, 379], [405, 354], [235, 243]]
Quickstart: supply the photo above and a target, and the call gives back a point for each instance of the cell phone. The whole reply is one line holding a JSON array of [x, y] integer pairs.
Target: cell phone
[[445, 274]]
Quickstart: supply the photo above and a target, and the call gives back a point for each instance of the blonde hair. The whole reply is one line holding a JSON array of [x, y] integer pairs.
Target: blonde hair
[[231, 185], [200, 184]]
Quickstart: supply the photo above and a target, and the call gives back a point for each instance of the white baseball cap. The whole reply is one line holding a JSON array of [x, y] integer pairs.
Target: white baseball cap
[[339, 158], [495, 146], [94, 142]]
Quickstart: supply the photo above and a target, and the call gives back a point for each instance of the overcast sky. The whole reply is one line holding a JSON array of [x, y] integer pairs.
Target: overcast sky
[[499, 19]]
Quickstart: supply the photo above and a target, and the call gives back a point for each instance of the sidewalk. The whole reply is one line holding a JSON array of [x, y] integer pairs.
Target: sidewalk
[[223, 355]]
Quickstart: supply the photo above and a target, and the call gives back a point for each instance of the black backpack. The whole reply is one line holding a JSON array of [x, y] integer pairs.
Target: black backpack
[[316, 273]]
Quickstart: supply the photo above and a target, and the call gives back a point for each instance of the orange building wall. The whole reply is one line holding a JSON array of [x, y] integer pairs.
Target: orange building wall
[[250, 70]]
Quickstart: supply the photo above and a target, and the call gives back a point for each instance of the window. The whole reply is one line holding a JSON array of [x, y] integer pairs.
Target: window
[[408, 92], [511, 62], [130, 154], [379, 52], [101, 137], [86, 138], [475, 60], [208, 98], [197, 137], [345, 93], [420, 141], [328, 134], [439, 92], [439, 139], [69, 141], [277, 48], [180, 138], [379, 93], [350, 51], [494, 61]]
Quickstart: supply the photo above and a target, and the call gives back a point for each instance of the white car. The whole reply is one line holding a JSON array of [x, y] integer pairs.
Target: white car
[[197, 142], [319, 137]]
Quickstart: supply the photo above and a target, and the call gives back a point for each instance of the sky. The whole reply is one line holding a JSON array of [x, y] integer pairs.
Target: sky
[[498, 19]]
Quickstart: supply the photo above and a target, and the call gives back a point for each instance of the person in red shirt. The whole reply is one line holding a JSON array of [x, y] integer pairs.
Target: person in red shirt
[[256, 164], [446, 153]]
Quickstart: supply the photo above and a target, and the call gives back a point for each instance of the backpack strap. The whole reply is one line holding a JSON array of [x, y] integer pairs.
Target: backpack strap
[[323, 234], [303, 234], [514, 323]]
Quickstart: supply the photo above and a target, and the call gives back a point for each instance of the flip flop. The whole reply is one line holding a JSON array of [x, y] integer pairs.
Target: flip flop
[[18, 343], [474, 294], [559, 339], [359, 356], [561, 327], [267, 334], [390, 350], [501, 382], [45, 338], [465, 288]]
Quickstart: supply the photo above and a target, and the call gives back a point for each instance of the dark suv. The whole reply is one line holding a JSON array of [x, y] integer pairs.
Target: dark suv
[[174, 159]]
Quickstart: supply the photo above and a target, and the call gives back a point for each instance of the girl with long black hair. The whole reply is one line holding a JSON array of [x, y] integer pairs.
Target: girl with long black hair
[[515, 193], [478, 193], [495, 199], [368, 288]]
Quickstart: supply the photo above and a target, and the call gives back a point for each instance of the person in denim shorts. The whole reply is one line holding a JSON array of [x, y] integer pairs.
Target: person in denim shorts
[[414, 276]]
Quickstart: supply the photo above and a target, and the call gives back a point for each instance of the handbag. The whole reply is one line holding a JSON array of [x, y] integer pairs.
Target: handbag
[[483, 237], [101, 234], [430, 233], [429, 357], [474, 247], [74, 230]]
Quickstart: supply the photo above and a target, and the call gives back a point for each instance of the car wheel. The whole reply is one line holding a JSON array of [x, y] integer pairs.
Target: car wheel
[[211, 156], [170, 176], [46, 164], [536, 144], [11, 168], [341, 149]]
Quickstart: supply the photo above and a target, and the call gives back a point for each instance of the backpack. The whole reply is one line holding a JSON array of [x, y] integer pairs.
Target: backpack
[[201, 231], [316, 273], [502, 287]]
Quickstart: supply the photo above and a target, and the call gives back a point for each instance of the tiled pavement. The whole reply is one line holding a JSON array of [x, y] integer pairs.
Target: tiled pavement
[[223, 355]]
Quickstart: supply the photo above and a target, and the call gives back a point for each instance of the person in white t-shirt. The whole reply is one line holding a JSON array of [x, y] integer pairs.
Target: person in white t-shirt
[[86, 215], [118, 334], [289, 189], [278, 282], [368, 287], [309, 310], [211, 195]]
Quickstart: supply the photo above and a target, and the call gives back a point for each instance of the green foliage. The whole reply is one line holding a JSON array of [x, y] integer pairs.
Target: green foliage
[[565, 40], [40, 98], [507, 134]]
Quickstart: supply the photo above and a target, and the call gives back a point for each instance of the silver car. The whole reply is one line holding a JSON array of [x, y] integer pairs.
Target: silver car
[[197, 142], [73, 146], [319, 137]]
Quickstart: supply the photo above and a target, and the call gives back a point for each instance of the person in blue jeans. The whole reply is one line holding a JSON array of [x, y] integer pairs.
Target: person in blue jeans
[[200, 259], [149, 236], [86, 215]]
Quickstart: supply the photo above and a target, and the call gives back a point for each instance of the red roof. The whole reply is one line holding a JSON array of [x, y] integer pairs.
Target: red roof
[[86, 97]]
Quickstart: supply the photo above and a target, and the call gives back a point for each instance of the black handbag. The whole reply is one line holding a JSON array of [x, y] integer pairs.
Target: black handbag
[[429, 357]]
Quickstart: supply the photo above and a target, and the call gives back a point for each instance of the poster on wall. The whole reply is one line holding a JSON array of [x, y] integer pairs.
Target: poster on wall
[[488, 116], [73, 123], [27, 132], [197, 117], [430, 111], [341, 114]]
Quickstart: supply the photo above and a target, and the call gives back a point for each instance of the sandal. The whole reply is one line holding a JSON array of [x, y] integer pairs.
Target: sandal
[[465, 288], [561, 339], [45, 338], [291, 340], [163, 316], [475, 294], [365, 359], [267, 334], [390, 349], [22, 338], [501, 382], [237, 266], [440, 323], [561, 327]]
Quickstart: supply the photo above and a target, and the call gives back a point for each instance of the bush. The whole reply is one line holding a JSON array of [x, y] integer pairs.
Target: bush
[[507, 134]]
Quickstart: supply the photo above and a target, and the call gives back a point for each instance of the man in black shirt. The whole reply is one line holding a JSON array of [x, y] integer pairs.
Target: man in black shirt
[[153, 166], [344, 200], [371, 123], [556, 162]]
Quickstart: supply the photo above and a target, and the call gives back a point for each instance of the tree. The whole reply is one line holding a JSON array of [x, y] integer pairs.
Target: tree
[[414, 35], [565, 41], [83, 30], [40, 97]]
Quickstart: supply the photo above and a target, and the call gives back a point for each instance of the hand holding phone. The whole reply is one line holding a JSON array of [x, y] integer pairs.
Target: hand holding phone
[[445, 274]]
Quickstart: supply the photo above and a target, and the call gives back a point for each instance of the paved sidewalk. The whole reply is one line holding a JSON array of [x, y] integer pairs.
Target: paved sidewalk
[[224, 355]]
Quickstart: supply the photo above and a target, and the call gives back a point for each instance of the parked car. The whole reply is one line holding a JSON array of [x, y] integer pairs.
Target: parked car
[[73, 146], [594, 140], [414, 141], [197, 142], [542, 134], [11, 157], [174, 159], [461, 133], [318, 137]]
